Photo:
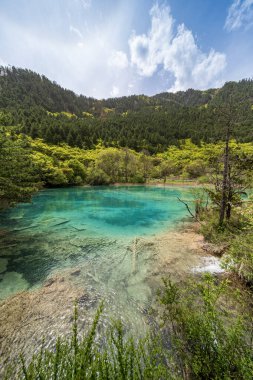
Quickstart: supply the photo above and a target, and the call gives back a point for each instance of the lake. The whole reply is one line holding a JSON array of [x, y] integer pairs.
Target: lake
[[87, 244]]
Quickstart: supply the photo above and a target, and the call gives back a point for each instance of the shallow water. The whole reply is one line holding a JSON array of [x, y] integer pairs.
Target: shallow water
[[68, 227], [87, 243]]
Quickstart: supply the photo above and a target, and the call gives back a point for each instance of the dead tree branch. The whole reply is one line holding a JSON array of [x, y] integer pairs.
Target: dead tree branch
[[189, 210]]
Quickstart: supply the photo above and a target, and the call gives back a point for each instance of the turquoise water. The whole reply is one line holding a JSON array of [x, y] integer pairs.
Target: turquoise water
[[88, 244], [68, 227]]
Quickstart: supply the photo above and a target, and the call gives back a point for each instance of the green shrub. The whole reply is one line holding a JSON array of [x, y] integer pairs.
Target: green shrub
[[113, 356], [201, 338], [97, 177], [239, 257], [208, 341], [138, 178]]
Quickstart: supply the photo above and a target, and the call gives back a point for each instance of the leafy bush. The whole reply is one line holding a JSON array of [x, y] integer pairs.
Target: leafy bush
[[240, 257], [113, 356], [18, 177], [207, 340], [96, 176], [201, 338]]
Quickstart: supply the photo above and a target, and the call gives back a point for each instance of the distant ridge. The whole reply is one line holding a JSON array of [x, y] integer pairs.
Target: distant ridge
[[27, 88], [44, 109]]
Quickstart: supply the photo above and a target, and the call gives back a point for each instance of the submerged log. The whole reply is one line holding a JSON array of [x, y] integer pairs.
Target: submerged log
[[78, 229], [134, 255], [25, 228], [59, 224]]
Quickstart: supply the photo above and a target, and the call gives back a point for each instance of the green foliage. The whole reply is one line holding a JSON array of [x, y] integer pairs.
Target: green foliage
[[236, 235], [238, 178], [207, 341], [108, 161], [56, 177], [240, 256], [18, 180], [111, 356], [43, 109], [201, 337], [196, 168], [97, 176], [62, 165]]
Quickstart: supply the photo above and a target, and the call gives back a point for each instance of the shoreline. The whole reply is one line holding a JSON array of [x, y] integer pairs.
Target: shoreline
[[159, 184], [176, 252]]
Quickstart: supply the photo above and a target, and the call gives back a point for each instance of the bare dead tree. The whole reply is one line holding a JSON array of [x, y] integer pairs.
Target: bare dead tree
[[194, 216], [225, 180], [228, 181]]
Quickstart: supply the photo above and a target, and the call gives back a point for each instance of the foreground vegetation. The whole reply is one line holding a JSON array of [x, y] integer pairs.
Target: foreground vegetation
[[235, 239], [201, 336]]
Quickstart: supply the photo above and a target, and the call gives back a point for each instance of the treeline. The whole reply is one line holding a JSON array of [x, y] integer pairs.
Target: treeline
[[18, 178], [25, 89], [42, 109], [27, 164]]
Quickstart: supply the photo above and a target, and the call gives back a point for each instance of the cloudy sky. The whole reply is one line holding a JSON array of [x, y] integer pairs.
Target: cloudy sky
[[105, 48]]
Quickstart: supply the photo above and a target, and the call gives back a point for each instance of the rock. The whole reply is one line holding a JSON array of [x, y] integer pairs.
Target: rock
[[49, 282], [214, 249]]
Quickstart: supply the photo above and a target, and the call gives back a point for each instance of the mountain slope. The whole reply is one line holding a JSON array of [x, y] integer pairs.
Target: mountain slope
[[42, 108]]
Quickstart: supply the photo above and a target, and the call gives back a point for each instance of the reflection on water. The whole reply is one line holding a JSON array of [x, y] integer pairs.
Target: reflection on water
[[86, 243]]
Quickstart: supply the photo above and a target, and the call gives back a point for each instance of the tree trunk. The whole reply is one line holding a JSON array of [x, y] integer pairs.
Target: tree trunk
[[228, 211], [126, 163], [225, 184], [229, 196]]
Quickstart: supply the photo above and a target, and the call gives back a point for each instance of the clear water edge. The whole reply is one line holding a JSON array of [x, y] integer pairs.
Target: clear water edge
[[92, 244], [61, 228]]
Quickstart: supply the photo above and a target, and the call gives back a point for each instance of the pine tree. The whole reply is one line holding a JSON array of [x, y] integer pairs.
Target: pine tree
[[17, 174]]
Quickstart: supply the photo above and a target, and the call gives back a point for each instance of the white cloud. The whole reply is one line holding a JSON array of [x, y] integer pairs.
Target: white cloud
[[115, 91], [176, 52], [86, 3], [2, 62], [118, 59], [96, 63], [147, 50], [240, 14], [80, 65], [75, 31]]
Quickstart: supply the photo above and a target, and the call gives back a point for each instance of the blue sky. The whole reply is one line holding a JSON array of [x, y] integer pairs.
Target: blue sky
[[105, 48]]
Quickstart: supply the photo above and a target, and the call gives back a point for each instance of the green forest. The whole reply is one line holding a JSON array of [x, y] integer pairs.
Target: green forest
[[42, 109], [50, 137], [72, 140]]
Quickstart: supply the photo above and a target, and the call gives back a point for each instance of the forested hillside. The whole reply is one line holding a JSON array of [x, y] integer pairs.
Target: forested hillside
[[42, 109]]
